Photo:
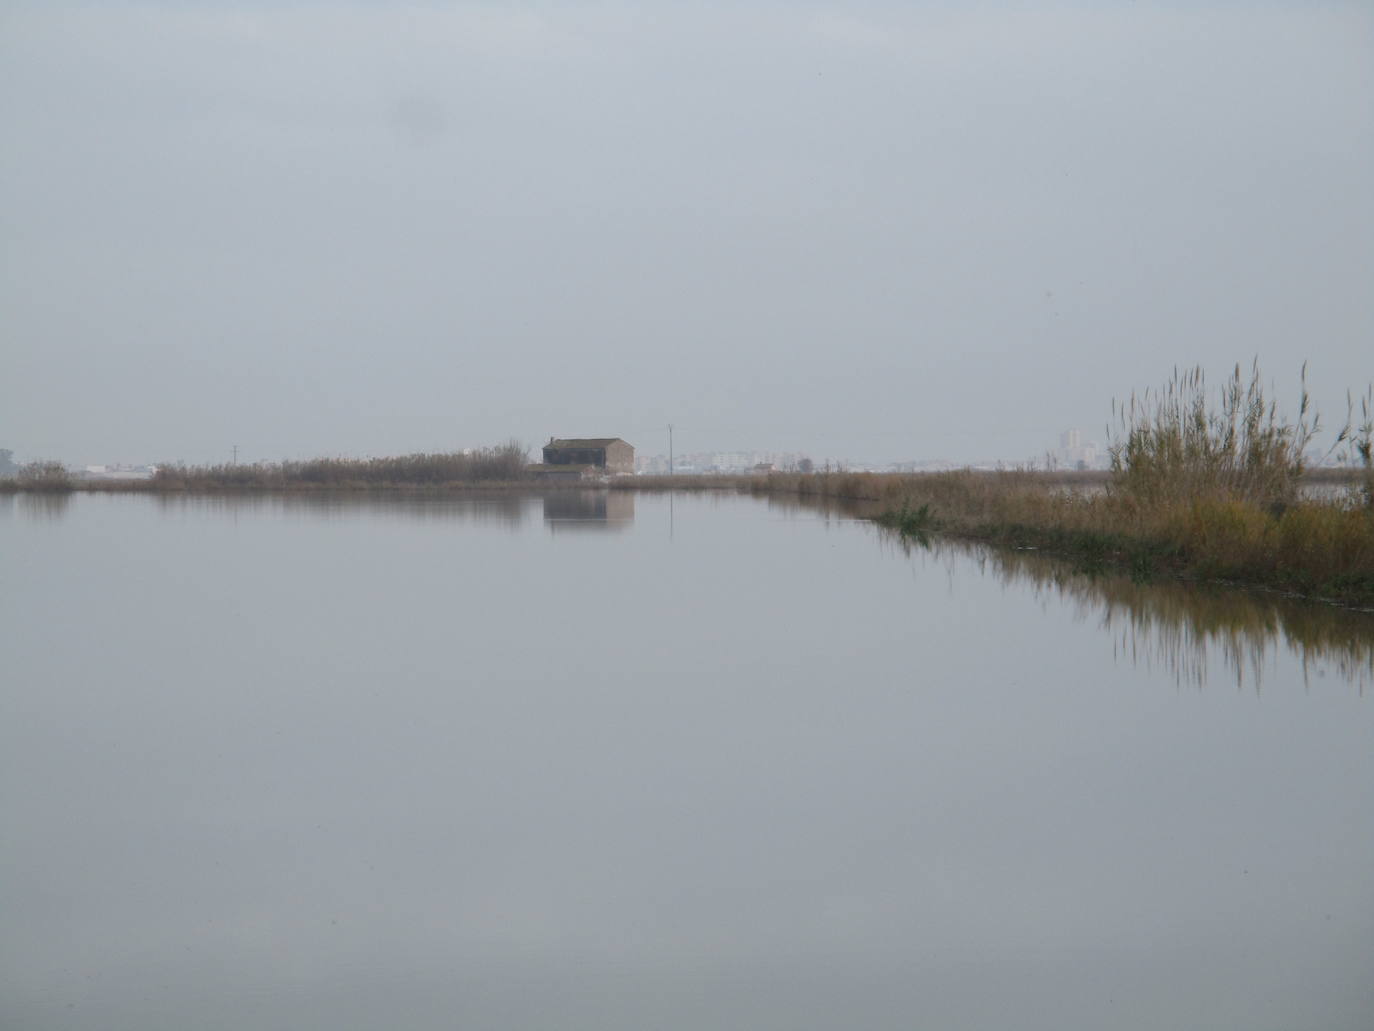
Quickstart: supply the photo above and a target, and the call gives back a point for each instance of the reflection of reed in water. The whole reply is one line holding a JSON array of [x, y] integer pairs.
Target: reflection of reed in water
[[589, 510], [494, 507], [1169, 624], [40, 505], [1179, 626]]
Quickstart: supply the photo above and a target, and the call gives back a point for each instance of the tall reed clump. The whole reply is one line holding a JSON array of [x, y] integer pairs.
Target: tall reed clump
[[1359, 451], [1218, 481], [1173, 443]]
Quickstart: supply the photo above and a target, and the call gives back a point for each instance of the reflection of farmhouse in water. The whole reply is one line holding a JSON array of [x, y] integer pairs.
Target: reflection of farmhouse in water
[[577, 458], [589, 510]]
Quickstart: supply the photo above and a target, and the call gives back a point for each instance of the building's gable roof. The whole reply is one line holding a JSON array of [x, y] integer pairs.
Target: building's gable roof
[[571, 442]]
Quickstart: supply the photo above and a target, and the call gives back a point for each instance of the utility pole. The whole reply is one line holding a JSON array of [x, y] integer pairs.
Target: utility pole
[[670, 449], [236, 454]]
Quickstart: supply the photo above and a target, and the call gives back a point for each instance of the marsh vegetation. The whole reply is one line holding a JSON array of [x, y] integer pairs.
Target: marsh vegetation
[[1201, 486], [504, 463]]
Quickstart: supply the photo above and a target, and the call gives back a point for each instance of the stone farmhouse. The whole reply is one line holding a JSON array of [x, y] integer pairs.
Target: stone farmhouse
[[603, 454]]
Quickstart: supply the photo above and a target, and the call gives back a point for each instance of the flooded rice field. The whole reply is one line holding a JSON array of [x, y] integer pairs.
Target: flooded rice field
[[617, 761]]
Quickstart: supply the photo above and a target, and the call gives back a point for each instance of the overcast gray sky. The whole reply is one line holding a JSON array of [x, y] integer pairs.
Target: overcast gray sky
[[870, 230]]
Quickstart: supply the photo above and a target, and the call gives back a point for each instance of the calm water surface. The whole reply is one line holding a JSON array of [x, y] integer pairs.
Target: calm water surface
[[591, 762]]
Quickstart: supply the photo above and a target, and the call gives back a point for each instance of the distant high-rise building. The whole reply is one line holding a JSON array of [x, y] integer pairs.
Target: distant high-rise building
[[1072, 453]]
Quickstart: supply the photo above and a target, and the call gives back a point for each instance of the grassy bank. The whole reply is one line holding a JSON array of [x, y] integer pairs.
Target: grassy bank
[[1315, 547], [1204, 486], [1320, 548]]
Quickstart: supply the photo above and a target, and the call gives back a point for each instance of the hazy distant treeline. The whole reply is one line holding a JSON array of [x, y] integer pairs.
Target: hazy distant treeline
[[504, 463], [40, 476]]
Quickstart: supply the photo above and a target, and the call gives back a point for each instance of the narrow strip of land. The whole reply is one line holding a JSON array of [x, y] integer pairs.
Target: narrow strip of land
[[1200, 487]]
